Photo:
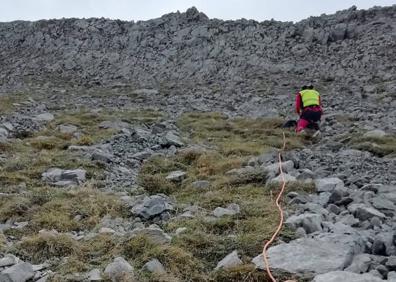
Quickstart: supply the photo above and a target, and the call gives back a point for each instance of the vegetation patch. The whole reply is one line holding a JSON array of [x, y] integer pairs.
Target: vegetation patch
[[229, 144], [379, 146]]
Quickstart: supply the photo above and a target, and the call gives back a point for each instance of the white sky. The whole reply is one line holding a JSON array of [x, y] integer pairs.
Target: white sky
[[284, 10]]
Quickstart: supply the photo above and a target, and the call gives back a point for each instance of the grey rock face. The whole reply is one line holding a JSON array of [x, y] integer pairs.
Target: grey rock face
[[119, 269], [231, 260], [337, 276], [20, 272], [322, 254]]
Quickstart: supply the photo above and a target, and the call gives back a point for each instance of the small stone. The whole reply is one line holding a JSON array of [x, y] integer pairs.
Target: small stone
[[45, 117], [154, 266], [180, 230], [106, 230], [176, 176]]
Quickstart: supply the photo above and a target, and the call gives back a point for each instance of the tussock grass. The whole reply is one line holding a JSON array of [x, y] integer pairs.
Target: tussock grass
[[379, 146], [44, 246], [232, 142], [8, 101]]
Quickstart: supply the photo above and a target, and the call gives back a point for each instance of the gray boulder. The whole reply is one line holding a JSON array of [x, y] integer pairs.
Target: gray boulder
[[360, 264], [119, 269], [8, 260], [20, 272], [322, 254], [274, 168], [338, 276], [172, 138], [363, 212], [286, 177], [60, 177], [328, 184], [309, 221], [231, 210], [152, 206], [230, 261]]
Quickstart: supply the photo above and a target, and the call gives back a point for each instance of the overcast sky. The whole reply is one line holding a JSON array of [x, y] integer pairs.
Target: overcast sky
[[284, 10]]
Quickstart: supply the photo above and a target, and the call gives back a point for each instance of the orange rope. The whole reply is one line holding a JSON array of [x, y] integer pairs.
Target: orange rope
[[280, 212]]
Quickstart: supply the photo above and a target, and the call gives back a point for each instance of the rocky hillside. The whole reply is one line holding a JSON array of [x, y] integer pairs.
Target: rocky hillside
[[148, 151]]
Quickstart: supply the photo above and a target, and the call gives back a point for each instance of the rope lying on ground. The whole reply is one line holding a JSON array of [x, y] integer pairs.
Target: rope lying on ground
[[280, 212]]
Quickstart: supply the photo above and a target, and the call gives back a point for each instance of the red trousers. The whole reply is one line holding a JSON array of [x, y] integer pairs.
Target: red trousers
[[308, 116]]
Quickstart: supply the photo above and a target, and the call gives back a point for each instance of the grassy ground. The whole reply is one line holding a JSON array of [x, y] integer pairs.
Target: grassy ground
[[379, 146], [231, 143], [191, 256]]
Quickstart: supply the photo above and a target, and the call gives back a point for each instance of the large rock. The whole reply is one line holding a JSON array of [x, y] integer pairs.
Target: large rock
[[60, 177], [20, 272], [230, 261], [309, 221], [328, 184], [232, 209], [172, 138], [119, 270], [341, 276], [322, 254], [152, 206], [363, 212]]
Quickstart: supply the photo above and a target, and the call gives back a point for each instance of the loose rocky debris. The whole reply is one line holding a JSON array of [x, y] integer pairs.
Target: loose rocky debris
[[345, 225]]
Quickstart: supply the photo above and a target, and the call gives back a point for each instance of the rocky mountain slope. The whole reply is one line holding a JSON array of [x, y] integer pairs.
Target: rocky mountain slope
[[148, 151]]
